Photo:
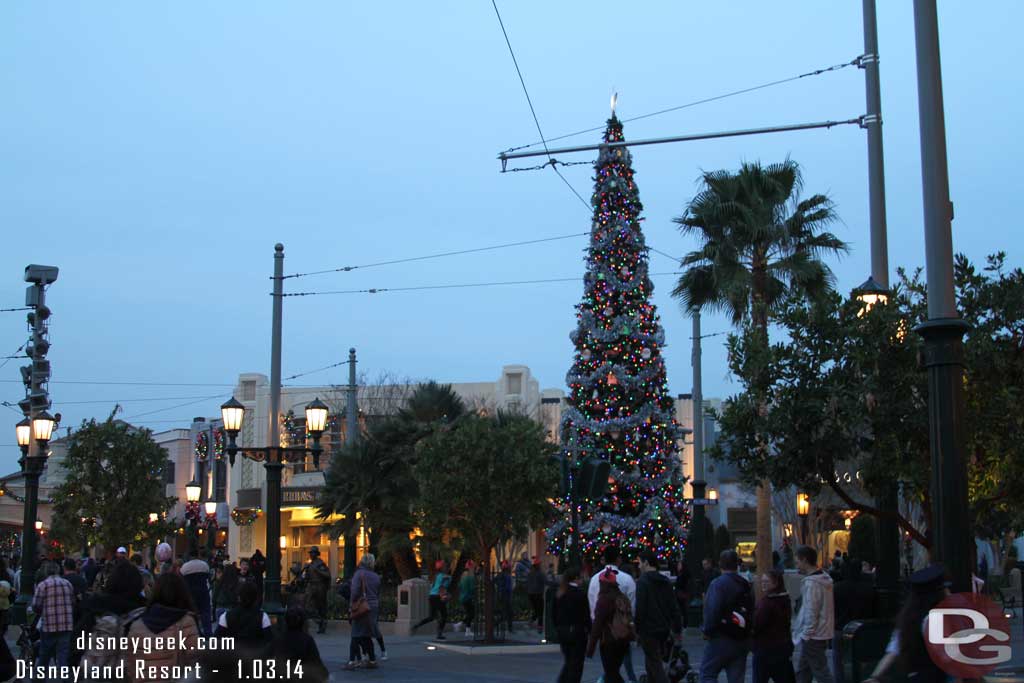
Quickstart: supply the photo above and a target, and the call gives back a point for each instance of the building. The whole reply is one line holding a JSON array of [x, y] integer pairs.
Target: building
[[514, 389]]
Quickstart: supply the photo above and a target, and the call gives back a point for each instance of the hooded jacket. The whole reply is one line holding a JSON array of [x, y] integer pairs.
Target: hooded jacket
[[816, 618], [196, 574], [164, 622], [657, 610]]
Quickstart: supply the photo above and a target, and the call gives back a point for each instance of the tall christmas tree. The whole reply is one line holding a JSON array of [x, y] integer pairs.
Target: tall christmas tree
[[620, 409]]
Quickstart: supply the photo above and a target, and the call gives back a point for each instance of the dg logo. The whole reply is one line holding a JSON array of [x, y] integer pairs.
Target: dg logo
[[967, 635]]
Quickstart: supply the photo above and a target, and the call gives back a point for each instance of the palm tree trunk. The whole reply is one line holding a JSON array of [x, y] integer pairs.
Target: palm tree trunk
[[763, 550]]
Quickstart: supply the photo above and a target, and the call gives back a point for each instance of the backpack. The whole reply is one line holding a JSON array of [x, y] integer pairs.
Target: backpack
[[622, 621], [109, 626], [739, 616]]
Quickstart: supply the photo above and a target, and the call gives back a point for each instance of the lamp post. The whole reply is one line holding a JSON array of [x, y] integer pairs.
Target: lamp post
[[41, 428], [192, 493], [274, 458], [211, 524], [803, 509]]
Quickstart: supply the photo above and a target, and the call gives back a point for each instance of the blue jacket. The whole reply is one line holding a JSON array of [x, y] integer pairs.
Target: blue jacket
[[720, 597]]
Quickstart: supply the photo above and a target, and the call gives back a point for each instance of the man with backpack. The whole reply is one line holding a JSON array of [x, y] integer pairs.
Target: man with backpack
[[728, 613], [657, 616]]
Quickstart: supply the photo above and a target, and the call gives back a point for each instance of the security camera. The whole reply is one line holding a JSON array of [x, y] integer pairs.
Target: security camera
[[40, 275]]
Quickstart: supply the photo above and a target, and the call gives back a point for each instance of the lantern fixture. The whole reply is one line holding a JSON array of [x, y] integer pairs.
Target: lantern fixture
[[211, 508], [192, 491], [42, 427], [803, 504], [24, 431]]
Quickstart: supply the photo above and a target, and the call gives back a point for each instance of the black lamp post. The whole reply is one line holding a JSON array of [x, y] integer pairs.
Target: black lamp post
[[211, 524], [40, 429], [274, 458]]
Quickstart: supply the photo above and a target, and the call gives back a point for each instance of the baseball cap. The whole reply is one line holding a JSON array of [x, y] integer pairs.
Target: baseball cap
[[122, 549]]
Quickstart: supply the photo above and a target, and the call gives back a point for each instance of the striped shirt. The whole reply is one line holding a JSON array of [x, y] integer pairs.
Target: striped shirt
[[54, 599]]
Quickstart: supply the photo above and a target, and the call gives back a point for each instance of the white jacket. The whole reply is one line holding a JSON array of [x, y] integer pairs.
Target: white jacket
[[626, 584], [816, 619]]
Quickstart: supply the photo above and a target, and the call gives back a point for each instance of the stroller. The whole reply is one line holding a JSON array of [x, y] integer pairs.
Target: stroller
[[677, 664]]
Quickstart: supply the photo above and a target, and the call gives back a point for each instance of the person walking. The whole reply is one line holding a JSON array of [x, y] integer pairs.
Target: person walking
[[657, 616], [535, 592], [612, 627], [318, 578], [728, 610], [626, 584], [298, 647], [928, 587], [365, 586], [572, 622], [684, 591], [467, 595], [438, 600], [247, 624], [772, 644], [171, 617], [109, 611], [815, 622], [196, 575], [54, 600], [225, 592], [505, 587]]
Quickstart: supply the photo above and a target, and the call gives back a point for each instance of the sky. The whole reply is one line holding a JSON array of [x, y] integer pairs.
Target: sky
[[156, 152]]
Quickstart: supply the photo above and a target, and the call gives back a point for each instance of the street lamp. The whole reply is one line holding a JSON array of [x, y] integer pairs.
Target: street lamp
[[870, 293], [153, 517], [803, 509], [192, 491], [39, 525], [274, 458], [42, 428], [713, 494], [283, 541], [24, 431]]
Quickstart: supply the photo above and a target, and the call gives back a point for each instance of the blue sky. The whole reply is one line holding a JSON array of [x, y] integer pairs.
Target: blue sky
[[155, 152]]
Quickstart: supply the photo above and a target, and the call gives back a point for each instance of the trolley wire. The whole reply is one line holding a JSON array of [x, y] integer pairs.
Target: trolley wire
[[817, 72], [345, 269]]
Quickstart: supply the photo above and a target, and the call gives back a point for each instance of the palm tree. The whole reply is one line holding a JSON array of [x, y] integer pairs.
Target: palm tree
[[374, 476], [759, 244]]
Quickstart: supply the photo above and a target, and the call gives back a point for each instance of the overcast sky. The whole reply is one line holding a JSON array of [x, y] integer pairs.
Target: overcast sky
[[155, 152]]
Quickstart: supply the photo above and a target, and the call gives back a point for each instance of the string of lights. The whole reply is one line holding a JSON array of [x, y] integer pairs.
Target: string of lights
[[817, 72]]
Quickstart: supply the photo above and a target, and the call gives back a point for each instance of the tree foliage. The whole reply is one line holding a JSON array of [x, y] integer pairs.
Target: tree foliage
[[846, 392], [375, 475], [114, 475], [486, 479], [760, 245]]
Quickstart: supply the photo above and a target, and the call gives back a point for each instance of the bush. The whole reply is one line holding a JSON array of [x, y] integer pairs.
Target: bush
[[863, 544]]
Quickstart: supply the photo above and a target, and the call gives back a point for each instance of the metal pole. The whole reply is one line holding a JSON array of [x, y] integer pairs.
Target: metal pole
[[273, 466], [505, 156], [351, 437], [35, 459], [943, 332], [888, 498], [876, 166], [696, 551]]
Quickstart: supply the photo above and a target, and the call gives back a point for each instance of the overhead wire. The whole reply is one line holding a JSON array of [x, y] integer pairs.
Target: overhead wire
[[12, 310], [433, 256], [817, 72], [14, 355], [129, 384], [551, 161], [381, 290], [182, 405]]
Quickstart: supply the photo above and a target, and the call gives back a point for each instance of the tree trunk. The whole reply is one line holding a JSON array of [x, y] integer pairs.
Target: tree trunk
[[488, 597], [405, 563], [763, 550]]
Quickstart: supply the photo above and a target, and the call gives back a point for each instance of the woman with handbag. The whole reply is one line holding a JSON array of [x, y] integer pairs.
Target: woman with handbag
[[363, 612]]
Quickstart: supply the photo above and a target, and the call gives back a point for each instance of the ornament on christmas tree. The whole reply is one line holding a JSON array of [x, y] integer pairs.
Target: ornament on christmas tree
[[607, 312], [612, 379], [645, 354], [606, 528], [586, 354], [624, 271]]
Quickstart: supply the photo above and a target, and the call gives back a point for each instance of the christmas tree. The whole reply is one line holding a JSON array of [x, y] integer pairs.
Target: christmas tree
[[620, 409]]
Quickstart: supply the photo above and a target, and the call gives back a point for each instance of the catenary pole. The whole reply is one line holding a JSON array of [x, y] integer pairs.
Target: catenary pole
[[943, 332]]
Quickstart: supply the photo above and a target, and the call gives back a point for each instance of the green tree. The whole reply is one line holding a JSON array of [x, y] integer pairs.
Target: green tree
[[375, 475], [723, 541], [863, 543], [759, 244], [846, 393], [114, 474], [486, 479]]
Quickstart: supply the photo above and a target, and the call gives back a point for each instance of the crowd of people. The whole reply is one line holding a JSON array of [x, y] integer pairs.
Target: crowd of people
[[78, 604]]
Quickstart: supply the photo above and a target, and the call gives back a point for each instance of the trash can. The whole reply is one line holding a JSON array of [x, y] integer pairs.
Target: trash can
[[861, 647]]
